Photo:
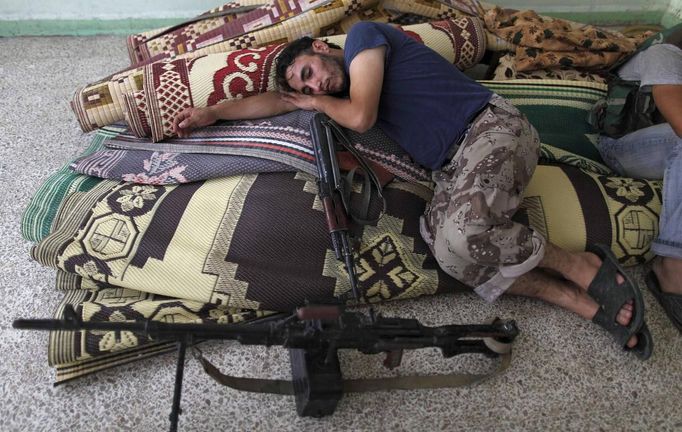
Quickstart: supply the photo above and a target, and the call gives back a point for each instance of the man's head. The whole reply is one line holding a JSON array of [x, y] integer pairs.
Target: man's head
[[311, 66]]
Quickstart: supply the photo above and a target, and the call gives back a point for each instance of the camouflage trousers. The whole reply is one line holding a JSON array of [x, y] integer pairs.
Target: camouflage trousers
[[468, 223]]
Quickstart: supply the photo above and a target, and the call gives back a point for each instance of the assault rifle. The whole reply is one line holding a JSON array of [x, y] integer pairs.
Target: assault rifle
[[334, 190], [314, 334]]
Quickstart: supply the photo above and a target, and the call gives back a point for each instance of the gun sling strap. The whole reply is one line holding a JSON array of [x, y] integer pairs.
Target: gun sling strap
[[285, 387], [324, 128]]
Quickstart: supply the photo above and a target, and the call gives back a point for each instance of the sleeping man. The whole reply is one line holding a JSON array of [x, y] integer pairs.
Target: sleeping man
[[482, 152]]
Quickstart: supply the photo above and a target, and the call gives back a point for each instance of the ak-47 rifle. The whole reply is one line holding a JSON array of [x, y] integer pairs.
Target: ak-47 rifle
[[334, 190], [314, 334]]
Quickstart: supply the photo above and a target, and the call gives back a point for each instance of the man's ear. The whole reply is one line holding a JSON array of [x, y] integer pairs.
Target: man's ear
[[320, 47]]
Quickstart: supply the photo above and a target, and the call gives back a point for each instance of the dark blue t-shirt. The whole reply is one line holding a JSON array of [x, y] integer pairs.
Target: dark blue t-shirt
[[426, 102]]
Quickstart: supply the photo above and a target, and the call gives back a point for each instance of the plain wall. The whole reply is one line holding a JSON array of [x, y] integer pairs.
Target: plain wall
[[673, 14], [106, 10], [122, 9], [123, 17]]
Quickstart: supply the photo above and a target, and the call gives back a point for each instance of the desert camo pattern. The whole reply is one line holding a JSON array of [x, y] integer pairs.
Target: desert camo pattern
[[468, 223]]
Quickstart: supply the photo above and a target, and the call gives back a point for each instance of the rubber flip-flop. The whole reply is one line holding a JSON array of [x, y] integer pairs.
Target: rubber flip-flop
[[671, 303], [611, 297]]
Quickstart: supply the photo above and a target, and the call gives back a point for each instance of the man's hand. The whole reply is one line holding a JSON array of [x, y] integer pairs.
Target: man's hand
[[192, 118], [300, 100]]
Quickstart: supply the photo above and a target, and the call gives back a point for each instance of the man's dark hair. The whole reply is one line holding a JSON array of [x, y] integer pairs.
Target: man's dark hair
[[288, 55]]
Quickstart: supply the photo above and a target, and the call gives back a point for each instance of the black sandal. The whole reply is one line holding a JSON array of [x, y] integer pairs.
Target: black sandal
[[671, 303], [611, 297]]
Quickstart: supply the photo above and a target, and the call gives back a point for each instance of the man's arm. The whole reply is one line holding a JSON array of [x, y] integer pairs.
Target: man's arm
[[359, 111], [668, 99], [262, 105]]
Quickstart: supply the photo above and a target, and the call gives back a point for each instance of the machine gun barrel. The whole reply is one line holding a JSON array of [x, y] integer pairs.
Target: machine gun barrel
[[348, 330]]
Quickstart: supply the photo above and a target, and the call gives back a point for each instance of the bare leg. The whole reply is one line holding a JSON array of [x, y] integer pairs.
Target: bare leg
[[578, 269], [669, 272]]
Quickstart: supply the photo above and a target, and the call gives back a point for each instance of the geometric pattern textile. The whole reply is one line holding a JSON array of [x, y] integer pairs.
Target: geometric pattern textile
[[206, 242], [573, 208], [196, 35], [144, 46], [284, 138], [170, 87], [108, 93], [136, 95], [247, 242], [113, 304]]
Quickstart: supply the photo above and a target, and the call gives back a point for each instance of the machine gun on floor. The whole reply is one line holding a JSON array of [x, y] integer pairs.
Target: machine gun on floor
[[313, 348], [314, 334]]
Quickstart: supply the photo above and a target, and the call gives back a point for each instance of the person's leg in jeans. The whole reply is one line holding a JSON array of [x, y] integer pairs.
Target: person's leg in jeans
[[655, 153]]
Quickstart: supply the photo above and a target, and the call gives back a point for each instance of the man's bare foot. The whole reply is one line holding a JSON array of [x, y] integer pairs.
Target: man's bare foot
[[581, 269], [669, 273]]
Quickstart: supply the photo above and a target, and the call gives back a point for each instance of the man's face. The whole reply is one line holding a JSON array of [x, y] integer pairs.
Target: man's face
[[317, 74]]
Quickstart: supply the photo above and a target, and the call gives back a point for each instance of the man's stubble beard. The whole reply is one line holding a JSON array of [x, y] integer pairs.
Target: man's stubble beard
[[338, 66]]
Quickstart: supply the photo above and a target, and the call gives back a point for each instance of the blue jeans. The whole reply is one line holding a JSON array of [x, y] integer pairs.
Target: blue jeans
[[653, 153]]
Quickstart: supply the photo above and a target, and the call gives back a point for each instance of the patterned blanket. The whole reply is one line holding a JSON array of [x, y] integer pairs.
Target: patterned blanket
[[148, 96], [154, 167], [285, 138], [550, 105], [183, 242], [237, 242], [196, 36], [548, 43], [80, 353], [130, 252], [200, 33], [506, 70], [102, 103], [170, 87]]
